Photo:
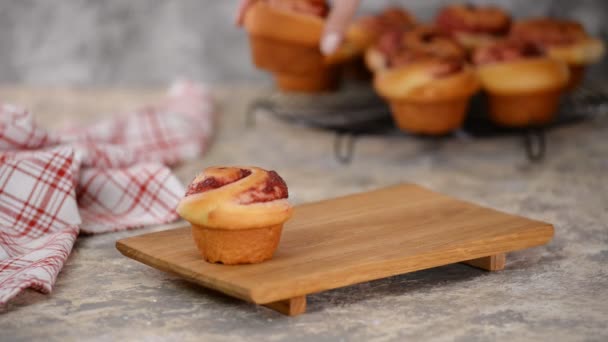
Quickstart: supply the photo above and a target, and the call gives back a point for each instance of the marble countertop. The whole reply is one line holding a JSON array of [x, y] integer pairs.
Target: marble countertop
[[555, 292]]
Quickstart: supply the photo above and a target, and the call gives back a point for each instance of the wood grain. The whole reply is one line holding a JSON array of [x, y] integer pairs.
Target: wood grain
[[290, 307], [489, 263], [348, 240]]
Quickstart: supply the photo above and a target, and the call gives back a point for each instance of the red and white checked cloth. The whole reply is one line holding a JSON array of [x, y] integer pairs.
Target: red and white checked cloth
[[107, 177]]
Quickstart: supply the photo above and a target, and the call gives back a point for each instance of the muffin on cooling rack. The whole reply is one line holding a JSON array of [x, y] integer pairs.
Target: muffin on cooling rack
[[285, 35], [424, 76], [473, 26], [565, 40], [237, 213], [523, 84], [366, 30]]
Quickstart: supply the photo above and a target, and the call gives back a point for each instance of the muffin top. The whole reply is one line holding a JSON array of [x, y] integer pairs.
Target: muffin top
[[391, 19], [473, 19], [422, 43], [548, 32], [506, 51], [236, 198], [270, 188]]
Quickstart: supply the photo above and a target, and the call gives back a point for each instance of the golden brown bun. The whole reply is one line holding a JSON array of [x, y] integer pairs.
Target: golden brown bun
[[523, 76], [232, 247], [473, 26], [429, 40], [263, 20], [249, 202], [375, 60], [473, 41], [416, 82], [423, 101], [366, 30], [420, 43], [582, 52], [296, 67], [563, 39], [524, 109], [471, 18], [431, 118], [548, 31], [362, 36]]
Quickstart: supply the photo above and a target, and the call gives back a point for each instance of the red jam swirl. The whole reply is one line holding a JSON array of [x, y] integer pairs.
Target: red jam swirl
[[446, 68], [506, 52], [391, 19], [473, 19], [273, 188], [422, 44], [548, 32], [211, 183]]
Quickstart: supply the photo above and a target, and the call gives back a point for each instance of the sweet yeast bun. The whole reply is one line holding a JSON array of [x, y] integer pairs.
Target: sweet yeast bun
[[473, 19], [566, 40], [524, 75], [297, 29], [237, 213], [417, 82], [375, 60], [473, 26], [397, 48], [423, 100], [366, 30], [229, 206], [524, 92], [301, 29], [286, 43], [582, 52]]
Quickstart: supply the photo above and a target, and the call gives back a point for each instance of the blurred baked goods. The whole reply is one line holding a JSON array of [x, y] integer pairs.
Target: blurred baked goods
[[473, 26], [397, 48], [424, 76], [565, 40], [237, 213], [366, 30], [284, 36], [523, 84]]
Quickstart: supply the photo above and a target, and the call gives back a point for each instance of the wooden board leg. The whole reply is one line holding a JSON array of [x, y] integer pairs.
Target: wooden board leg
[[291, 307], [490, 263]]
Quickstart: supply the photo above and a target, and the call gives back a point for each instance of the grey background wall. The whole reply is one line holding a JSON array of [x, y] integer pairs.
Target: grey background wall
[[151, 42]]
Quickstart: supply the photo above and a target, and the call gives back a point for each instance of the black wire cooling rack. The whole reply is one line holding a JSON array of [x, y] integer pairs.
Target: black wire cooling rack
[[357, 111]]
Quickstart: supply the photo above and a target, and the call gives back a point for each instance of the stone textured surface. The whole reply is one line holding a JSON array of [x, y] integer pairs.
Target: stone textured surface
[[555, 292], [151, 42]]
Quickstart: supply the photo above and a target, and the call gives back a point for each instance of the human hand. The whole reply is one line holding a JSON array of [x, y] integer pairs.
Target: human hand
[[241, 10], [337, 23]]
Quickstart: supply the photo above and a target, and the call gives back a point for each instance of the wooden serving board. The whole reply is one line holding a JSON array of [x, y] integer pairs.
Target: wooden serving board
[[348, 240]]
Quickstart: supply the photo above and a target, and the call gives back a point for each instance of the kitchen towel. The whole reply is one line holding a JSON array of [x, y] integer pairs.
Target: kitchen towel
[[107, 177]]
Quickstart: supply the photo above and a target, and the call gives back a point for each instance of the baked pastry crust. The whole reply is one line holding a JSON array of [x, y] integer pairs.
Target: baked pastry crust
[[523, 84], [263, 20], [524, 75], [396, 48], [428, 97], [366, 30], [562, 39], [473, 26], [424, 77], [256, 200], [422, 82]]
